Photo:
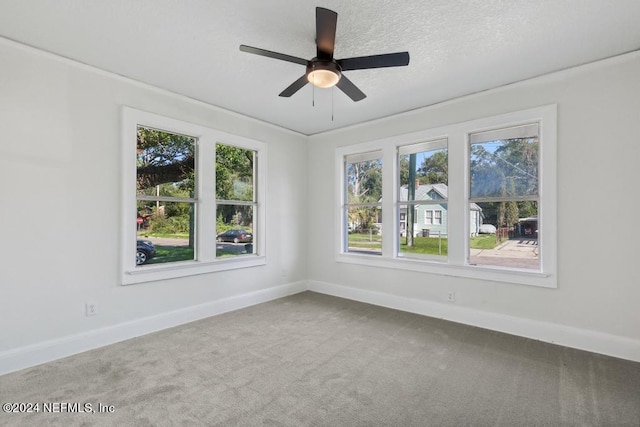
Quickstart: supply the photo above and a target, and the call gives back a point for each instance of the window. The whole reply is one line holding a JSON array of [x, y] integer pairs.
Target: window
[[423, 177], [428, 217], [437, 217], [235, 199], [503, 172], [362, 203], [197, 196], [474, 199], [433, 217], [165, 196]]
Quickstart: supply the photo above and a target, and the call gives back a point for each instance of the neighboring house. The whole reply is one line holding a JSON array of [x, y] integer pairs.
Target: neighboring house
[[432, 219], [476, 219], [527, 227]]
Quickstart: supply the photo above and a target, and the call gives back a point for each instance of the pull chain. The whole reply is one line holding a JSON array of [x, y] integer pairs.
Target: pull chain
[[313, 96], [332, 92]]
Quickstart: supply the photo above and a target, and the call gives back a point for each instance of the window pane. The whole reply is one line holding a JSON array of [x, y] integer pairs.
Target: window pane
[[234, 230], [437, 217], [165, 232], [429, 235], [504, 168], [424, 175], [428, 217], [165, 164], [364, 181], [364, 233], [505, 234], [234, 173]]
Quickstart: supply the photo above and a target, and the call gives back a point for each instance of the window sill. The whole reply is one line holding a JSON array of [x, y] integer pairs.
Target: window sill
[[494, 274], [151, 273]]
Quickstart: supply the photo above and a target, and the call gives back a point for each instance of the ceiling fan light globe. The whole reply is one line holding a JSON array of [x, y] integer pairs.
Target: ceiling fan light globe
[[323, 78]]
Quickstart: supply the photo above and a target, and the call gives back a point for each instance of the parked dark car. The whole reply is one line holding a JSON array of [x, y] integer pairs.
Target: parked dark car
[[144, 251], [235, 236]]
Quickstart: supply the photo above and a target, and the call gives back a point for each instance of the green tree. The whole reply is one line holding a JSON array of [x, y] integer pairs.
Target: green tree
[[517, 158], [165, 168], [435, 168], [364, 181], [404, 170], [234, 182], [364, 217], [164, 157], [364, 185], [511, 210], [487, 178], [527, 209], [234, 173]]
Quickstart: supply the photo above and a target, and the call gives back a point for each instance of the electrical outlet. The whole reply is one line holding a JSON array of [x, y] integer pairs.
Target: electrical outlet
[[451, 296], [91, 309]]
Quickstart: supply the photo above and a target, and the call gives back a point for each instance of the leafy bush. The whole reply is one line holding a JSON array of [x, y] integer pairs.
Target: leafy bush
[[170, 225]]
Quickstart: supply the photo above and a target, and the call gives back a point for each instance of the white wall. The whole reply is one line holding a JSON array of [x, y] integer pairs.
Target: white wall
[[599, 251], [60, 210], [60, 214]]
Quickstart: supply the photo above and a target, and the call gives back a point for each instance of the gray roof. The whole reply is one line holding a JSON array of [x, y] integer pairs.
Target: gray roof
[[423, 190]]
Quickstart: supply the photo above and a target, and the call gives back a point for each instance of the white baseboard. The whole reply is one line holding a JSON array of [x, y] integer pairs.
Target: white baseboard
[[24, 357], [597, 342], [47, 351]]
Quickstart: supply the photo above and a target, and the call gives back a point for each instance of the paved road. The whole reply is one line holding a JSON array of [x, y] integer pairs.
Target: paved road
[[166, 241], [228, 248]]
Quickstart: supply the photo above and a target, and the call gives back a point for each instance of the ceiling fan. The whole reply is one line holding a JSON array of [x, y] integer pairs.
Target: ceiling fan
[[324, 70]]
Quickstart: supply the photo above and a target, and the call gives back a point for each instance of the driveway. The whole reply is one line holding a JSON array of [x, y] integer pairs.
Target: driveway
[[516, 253]]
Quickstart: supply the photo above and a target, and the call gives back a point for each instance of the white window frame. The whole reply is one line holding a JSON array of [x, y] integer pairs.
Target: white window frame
[[428, 204], [437, 219], [428, 217], [458, 212], [205, 224], [345, 205]]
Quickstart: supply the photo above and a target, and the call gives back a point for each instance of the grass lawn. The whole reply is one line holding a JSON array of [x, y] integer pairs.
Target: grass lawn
[[422, 245], [184, 253], [425, 245], [364, 237], [365, 240], [171, 254], [485, 241]]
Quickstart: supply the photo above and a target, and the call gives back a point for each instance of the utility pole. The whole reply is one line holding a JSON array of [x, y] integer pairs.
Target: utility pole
[[411, 196]]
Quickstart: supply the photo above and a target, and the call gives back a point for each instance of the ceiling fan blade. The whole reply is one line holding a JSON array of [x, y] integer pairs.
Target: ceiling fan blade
[[274, 55], [350, 89], [325, 32], [398, 59], [295, 86]]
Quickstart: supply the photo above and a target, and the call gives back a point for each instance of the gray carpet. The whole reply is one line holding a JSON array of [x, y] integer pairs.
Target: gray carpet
[[316, 360]]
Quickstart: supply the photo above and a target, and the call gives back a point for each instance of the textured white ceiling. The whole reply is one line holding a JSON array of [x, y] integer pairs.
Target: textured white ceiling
[[457, 47]]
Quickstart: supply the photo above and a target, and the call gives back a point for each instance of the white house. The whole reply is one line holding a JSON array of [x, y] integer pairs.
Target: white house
[[431, 219]]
